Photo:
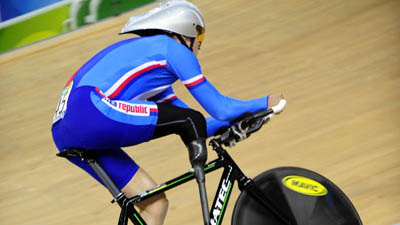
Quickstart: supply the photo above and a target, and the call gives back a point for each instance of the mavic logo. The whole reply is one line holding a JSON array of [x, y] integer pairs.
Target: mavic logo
[[221, 199]]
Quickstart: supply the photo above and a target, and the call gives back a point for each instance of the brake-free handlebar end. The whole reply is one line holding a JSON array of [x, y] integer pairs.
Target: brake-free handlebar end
[[279, 108]]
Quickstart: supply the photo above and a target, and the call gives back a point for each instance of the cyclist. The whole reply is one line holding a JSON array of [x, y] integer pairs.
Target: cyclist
[[123, 97]]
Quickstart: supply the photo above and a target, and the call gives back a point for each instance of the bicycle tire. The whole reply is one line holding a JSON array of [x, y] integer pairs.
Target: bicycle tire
[[298, 207]]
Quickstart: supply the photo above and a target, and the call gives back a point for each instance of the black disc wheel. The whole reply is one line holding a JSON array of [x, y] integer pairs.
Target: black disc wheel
[[301, 196]]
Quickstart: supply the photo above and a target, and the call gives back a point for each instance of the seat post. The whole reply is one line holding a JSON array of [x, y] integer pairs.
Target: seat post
[[105, 178], [91, 158]]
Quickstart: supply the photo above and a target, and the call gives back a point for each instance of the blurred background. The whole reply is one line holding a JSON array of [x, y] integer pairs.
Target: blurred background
[[26, 22], [337, 63]]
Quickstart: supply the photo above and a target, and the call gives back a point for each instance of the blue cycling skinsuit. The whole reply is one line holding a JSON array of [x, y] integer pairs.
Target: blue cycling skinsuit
[[111, 101]]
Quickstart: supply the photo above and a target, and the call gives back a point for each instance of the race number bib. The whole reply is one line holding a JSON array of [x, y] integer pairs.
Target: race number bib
[[62, 103]]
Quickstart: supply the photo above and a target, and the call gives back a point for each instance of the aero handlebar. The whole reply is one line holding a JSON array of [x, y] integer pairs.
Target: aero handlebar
[[249, 124]]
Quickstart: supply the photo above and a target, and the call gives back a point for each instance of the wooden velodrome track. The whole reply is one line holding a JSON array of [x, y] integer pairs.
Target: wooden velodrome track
[[337, 62]]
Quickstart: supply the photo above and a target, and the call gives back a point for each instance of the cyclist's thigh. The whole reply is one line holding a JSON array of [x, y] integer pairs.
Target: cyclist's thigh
[[118, 165], [188, 123]]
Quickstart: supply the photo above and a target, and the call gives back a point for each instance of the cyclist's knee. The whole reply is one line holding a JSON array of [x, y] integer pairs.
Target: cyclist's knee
[[197, 122], [155, 205], [154, 210], [197, 117], [162, 200], [161, 204]]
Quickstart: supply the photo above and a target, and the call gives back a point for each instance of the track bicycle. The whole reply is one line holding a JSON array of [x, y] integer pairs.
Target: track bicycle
[[280, 196]]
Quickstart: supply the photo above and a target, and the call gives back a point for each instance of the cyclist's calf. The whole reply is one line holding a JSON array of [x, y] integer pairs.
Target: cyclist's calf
[[153, 210]]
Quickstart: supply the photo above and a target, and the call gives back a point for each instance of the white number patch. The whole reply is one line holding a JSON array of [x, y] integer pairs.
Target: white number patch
[[62, 103]]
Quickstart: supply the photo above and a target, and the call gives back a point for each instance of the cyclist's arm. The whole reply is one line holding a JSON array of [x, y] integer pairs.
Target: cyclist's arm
[[222, 107], [182, 63], [214, 125]]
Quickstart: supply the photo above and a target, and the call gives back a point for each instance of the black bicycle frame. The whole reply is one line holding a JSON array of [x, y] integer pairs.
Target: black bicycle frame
[[220, 200], [230, 174]]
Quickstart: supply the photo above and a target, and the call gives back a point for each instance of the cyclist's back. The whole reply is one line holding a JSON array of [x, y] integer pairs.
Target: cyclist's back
[[131, 68]]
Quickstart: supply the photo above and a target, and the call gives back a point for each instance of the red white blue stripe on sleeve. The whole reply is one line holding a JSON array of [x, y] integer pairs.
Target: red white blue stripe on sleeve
[[194, 81], [167, 98]]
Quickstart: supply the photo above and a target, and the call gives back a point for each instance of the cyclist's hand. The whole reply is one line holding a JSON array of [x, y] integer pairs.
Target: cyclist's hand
[[274, 99], [249, 123]]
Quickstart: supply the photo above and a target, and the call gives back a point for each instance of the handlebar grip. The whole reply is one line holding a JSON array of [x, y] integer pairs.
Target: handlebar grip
[[278, 108]]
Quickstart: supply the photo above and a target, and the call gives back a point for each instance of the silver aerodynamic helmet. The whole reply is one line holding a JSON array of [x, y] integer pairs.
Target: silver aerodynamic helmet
[[173, 17]]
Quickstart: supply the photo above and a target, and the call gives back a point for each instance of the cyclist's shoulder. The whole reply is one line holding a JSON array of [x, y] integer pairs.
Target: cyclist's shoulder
[[156, 42]]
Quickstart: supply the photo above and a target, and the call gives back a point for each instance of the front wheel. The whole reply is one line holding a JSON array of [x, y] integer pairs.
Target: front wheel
[[302, 196]]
